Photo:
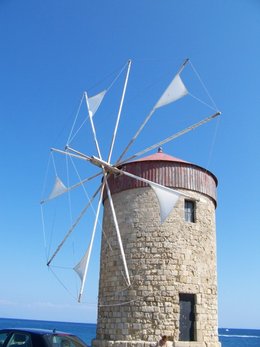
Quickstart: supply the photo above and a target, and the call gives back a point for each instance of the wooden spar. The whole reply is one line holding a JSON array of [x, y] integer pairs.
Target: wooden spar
[[183, 66], [137, 134], [93, 128], [119, 112], [78, 155], [117, 231], [91, 242], [103, 164], [172, 137]]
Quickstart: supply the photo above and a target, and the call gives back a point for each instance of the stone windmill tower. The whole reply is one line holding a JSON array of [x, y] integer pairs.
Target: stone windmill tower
[[172, 266], [158, 252]]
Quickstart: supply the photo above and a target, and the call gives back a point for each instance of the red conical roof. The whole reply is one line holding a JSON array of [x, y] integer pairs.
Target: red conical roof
[[168, 171], [160, 156]]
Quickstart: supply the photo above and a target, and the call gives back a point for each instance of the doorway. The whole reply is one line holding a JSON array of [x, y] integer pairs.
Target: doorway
[[187, 317]]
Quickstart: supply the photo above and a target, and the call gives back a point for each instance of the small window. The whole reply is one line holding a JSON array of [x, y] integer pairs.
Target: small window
[[189, 211]]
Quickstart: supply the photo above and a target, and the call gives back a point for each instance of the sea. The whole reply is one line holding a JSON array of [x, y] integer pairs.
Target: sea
[[87, 331]]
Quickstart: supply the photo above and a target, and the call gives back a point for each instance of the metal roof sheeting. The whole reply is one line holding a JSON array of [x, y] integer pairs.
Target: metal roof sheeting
[[168, 171]]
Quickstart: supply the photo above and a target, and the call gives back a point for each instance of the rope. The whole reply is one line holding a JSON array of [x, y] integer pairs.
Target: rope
[[120, 304], [72, 228], [69, 195], [83, 187], [203, 102], [60, 267], [118, 75], [76, 117], [54, 165], [75, 274], [45, 177], [123, 303], [44, 233], [41, 207], [75, 134], [108, 76], [204, 87], [214, 138], [62, 284]]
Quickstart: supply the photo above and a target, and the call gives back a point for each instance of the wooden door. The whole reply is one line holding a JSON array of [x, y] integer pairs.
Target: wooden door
[[187, 317]]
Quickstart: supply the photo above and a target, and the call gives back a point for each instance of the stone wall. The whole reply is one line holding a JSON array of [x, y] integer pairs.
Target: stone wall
[[164, 260]]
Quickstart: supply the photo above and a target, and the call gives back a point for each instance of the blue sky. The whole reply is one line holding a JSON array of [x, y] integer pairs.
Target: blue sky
[[51, 51]]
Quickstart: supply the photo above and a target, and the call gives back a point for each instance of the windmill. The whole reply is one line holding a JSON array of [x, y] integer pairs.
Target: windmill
[[167, 197]]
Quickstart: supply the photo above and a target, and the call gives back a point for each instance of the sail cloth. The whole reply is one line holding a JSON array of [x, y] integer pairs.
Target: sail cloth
[[167, 200], [94, 102], [58, 189], [175, 91], [80, 268]]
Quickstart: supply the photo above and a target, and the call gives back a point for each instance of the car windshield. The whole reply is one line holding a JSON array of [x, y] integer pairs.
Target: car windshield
[[15, 339], [58, 340], [3, 337]]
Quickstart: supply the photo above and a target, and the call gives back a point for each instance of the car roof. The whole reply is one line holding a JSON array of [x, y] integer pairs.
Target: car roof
[[36, 331]]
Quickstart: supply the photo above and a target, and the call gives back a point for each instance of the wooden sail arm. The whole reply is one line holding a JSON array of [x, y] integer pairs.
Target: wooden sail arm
[[76, 154], [117, 231], [172, 137], [104, 164], [147, 119], [91, 244], [119, 112]]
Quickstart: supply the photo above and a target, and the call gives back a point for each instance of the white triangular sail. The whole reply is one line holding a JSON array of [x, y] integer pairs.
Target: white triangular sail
[[80, 268], [175, 91], [58, 189], [167, 200], [94, 102]]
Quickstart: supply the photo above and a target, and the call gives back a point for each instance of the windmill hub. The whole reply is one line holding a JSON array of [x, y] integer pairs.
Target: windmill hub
[[104, 165]]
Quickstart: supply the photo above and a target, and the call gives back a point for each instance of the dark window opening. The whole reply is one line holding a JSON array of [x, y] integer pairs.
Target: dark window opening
[[189, 211], [187, 317]]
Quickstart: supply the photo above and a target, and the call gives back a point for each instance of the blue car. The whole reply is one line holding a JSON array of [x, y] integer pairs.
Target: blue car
[[38, 338]]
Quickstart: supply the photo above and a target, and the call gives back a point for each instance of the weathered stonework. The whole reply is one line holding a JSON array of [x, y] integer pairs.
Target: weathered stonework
[[164, 260]]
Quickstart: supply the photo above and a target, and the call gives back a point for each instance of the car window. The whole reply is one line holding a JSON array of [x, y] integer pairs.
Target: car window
[[64, 341], [20, 340], [3, 337]]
